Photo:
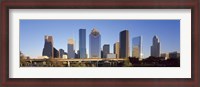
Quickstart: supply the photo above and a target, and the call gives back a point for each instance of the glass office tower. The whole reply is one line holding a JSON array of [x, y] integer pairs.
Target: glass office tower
[[82, 43], [48, 49], [106, 50], [95, 44], [71, 51], [124, 44], [137, 47]]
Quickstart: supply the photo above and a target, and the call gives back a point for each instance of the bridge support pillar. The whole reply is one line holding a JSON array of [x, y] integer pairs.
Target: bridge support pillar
[[97, 64], [68, 64]]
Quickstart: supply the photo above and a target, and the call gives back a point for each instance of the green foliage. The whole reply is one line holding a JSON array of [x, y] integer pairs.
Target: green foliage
[[23, 61]]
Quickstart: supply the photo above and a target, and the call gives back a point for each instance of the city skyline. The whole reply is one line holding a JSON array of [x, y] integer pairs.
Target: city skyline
[[174, 43]]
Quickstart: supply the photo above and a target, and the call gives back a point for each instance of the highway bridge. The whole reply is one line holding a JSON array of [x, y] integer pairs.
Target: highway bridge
[[78, 60], [73, 60]]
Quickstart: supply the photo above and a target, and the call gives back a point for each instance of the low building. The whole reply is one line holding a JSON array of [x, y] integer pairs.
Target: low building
[[174, 55], [64, 56], [111, 55], [42, 57], [165, 55], [61, 53]]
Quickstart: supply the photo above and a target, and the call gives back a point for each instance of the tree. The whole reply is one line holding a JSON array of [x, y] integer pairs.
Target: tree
[[23, 60], [127, 63]]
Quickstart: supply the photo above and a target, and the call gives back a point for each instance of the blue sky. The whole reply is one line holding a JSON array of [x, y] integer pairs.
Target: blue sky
[[32, 33]]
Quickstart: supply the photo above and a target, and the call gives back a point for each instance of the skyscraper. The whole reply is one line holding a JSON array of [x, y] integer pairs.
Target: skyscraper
[[82, 43], [95, 44], [106, 50], [77, 54], [61, 53], [71, 51], [48, 49], [101, 53], [137, 47], [155, 48], [56, 53], [116, 49], [124, 44]]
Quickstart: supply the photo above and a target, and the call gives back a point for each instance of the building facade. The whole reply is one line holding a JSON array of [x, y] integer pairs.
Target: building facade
[[111, 55], [116, 49], [61, 53], [174, 55], [48, 49], [77, 54], [82, 43], [101, 53], [106, 50], [95, 44], [137, 47], [165, 55], [71, 51], [155, 48], [124, 44], [56, 53]]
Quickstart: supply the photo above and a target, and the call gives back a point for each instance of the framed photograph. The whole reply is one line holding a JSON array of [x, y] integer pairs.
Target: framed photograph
[[100, 43]]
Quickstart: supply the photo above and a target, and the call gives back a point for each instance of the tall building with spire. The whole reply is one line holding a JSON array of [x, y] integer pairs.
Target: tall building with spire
[[124, 44], [155, 48], [70, 48], [82, 43], [95, 44]]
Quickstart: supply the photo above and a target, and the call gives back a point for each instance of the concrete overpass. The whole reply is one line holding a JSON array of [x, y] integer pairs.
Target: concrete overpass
[[72, 60], [78, 60]]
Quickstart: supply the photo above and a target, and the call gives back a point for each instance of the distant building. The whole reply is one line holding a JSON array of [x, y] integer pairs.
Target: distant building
[[137, 47], [71, 51], [61, 53], [111, 55], [65, 53], [124, 44], [106, 50], [42, 57], [101, 53], [78, 54], [155, 48], [56, 53], [48, 49], [65, 56], [82, 43], [95, 44], [174, 55], [165, 55], [116, 49], [86, 55]]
